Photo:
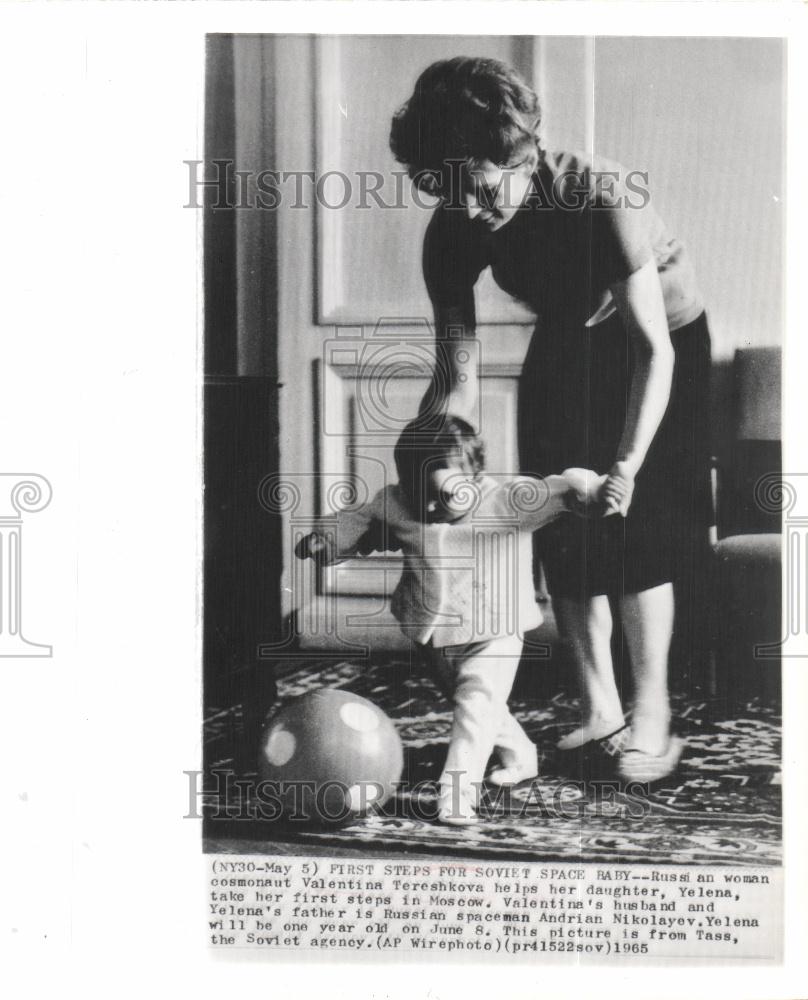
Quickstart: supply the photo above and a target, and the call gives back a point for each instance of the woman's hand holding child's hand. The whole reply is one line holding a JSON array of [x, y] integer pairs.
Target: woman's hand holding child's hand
[[592, 495], [585, 497], [618, 489]]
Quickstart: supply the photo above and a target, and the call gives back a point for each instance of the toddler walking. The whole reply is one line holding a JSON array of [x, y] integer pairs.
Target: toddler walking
[[466, 596]]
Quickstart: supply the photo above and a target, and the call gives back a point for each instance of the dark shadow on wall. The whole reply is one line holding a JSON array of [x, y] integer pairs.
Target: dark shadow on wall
[[242, 541]]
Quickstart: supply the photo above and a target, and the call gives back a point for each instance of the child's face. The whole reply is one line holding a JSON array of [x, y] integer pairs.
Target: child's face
[[449, 496]]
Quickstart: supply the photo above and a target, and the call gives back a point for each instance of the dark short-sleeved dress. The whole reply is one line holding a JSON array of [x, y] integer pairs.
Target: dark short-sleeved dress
[[588, 224]]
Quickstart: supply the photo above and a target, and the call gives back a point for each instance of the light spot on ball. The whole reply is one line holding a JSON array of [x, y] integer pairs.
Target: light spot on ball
[[359, 717], [359, 797], [280, 747]]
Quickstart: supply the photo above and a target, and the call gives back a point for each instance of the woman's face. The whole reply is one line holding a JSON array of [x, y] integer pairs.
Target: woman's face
[[493, 194]]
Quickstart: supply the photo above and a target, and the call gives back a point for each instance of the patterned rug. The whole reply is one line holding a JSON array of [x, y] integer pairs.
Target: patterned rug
[[722, 806]]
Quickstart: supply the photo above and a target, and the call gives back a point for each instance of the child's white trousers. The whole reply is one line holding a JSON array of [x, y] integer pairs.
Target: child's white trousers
[[479, 677]]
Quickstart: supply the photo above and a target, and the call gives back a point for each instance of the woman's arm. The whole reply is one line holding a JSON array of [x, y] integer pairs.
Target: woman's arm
[[452, 263], [640, 303], [454, 387]]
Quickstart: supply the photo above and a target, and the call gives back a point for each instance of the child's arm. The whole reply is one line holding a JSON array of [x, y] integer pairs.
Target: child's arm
[[537, 502], [342, 536], [587, 497]]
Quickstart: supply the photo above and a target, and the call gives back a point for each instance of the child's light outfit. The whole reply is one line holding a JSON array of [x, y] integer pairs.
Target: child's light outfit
[[466, 597], [478, 677]]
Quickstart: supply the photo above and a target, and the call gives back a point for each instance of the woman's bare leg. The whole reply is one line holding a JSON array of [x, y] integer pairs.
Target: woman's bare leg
[[586, 626], [648, 627]]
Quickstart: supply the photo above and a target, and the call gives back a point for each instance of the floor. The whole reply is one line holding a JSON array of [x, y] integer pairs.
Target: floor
[[722, 806]]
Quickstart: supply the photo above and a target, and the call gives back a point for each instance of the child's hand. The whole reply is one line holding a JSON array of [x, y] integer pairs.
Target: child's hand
[[618, 489], [311, 546], [585, 497]]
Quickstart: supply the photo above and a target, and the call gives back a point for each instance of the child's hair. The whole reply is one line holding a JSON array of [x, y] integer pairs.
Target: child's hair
[[464, 109], [421, 447]]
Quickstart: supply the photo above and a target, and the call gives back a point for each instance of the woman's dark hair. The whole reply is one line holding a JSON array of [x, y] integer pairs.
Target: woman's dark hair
[[420, 448], [464, 109]]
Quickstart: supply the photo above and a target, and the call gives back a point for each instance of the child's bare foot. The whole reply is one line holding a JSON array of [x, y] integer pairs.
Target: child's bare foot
[[597, 729]]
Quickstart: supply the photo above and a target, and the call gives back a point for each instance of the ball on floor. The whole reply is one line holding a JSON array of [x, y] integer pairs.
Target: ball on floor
[[330, 756]]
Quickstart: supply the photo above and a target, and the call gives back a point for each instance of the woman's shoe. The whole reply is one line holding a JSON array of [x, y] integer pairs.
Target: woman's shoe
[[642, 767], [612, 745], [596, 759], [609, 746], [577, 741], [512, 774]]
